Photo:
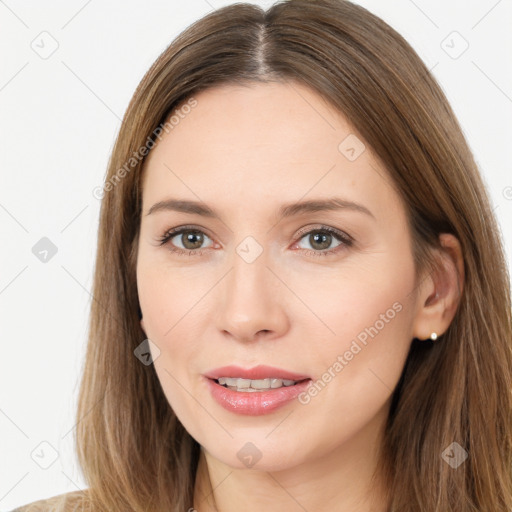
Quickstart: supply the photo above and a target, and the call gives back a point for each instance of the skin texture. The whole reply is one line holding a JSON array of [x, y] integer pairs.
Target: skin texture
[[245, 151]]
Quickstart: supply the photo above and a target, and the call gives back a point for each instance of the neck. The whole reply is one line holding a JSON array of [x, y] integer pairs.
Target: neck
[[341, 480]]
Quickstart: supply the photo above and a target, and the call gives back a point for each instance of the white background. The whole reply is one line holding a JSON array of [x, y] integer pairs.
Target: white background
[[59, 118]]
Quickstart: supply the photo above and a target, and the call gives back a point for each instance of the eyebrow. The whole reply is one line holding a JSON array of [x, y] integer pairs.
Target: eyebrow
[[285, 211]]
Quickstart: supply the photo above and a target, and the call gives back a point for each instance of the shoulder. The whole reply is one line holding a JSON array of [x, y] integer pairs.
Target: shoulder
[[75, 501]]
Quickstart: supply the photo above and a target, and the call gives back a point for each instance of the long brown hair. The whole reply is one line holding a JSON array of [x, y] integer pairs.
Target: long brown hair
[[134, 452]]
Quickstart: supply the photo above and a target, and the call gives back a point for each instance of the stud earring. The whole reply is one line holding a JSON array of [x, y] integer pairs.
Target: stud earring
[[433, 336]]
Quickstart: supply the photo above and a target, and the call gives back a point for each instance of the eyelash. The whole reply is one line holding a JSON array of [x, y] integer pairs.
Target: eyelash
[[346, 240]]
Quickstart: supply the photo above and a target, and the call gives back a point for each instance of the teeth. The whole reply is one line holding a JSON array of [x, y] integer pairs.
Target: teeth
[[276, 383], [242, 383], [238, 384]]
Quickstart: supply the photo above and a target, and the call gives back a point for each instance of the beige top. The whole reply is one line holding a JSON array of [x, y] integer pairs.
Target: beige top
[[67, 502]]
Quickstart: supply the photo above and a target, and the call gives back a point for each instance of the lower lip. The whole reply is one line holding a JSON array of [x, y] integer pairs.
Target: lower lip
[[257, 402]]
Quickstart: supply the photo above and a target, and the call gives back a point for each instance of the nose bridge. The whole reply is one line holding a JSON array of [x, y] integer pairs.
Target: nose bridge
[[249, 279], [250, 299]]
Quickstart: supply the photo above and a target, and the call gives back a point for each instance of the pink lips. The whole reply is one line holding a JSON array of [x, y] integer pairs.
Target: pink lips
[[258, 372], [255, 403]]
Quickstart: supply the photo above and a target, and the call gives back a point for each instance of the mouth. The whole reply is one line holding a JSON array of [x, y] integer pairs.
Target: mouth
[[255, 391]]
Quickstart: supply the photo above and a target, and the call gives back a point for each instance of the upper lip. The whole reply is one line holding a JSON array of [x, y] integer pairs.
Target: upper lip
[[255, 373]]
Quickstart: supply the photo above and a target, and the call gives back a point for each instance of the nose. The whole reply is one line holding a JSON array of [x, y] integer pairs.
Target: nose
[[251, 302]]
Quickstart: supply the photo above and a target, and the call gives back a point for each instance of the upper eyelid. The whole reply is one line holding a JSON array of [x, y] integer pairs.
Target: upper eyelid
[[333, 231]]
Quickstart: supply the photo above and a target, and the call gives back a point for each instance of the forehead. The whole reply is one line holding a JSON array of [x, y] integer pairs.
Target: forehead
[[234, 119], [265, 141]]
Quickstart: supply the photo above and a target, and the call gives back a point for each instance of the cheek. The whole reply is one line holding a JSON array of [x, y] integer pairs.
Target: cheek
[[358, 298], [167, 306], [165, 296], [366, 309], [172, 303], [370, 316], [358, 368]]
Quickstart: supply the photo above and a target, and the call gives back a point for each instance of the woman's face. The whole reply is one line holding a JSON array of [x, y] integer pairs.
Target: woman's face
[[316, 293]]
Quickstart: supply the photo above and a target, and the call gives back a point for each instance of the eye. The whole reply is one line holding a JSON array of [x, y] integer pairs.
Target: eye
[[321, 239], [190, 238]]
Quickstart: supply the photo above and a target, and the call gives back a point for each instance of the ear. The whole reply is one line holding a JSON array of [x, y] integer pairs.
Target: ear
[[142, 325], [440, 292]]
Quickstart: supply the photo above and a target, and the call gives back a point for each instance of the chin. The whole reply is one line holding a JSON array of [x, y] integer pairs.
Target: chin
[[258, 452]]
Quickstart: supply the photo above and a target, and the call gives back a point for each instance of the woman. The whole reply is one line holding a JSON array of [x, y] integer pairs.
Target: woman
[[231, 368]]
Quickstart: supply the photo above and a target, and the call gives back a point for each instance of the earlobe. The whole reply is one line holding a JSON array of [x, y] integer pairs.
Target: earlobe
[[440, 297], [142, 325]]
